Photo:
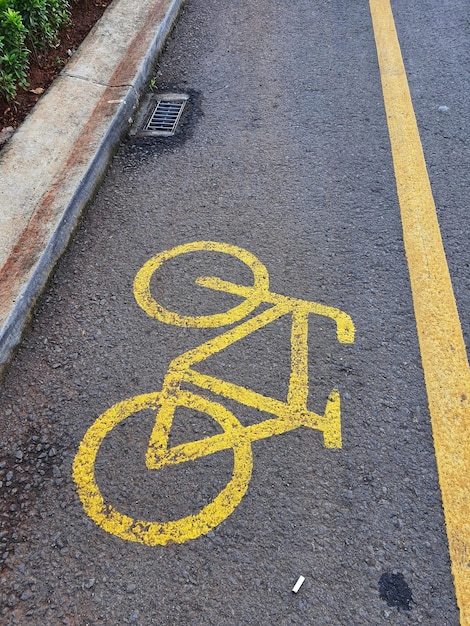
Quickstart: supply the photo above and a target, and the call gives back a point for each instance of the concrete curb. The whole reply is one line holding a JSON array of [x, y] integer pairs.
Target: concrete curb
[[57, 158]]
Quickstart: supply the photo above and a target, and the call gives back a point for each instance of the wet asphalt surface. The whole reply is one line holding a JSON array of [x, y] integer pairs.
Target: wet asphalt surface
[[283, 151]]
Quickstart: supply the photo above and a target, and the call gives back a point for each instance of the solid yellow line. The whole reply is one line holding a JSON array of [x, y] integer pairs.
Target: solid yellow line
[[442, 347]]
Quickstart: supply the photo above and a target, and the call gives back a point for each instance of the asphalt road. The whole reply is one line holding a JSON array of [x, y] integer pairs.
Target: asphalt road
[[283, 151]]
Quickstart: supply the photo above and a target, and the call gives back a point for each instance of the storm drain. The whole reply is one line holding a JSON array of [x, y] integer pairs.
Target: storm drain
[[165, 113]]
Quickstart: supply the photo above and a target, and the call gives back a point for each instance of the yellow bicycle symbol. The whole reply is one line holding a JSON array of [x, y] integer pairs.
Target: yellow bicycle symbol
[[290, 415]]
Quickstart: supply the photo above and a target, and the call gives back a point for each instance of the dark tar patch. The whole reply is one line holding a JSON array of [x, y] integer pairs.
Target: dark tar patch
[[395, 591]]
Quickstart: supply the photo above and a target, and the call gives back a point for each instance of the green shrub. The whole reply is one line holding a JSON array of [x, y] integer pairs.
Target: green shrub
[[26, 26], [42, 19], [13, 53]]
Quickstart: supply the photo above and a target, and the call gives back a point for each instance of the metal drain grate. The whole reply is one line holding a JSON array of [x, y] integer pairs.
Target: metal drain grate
[[165, 115]]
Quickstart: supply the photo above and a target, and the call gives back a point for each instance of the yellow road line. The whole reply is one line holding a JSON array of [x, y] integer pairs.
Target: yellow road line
[[443, 352]]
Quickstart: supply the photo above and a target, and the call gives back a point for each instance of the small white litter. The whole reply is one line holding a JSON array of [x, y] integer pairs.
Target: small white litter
[[298, 584]]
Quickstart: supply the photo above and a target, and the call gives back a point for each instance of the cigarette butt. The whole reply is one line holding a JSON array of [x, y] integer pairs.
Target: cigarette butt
[[298, 584]]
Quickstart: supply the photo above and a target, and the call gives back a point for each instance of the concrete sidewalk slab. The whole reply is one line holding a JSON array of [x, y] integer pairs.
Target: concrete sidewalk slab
[[56, 159]]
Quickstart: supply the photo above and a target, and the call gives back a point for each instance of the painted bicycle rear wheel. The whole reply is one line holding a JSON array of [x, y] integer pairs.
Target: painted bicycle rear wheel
[[153, 532]]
